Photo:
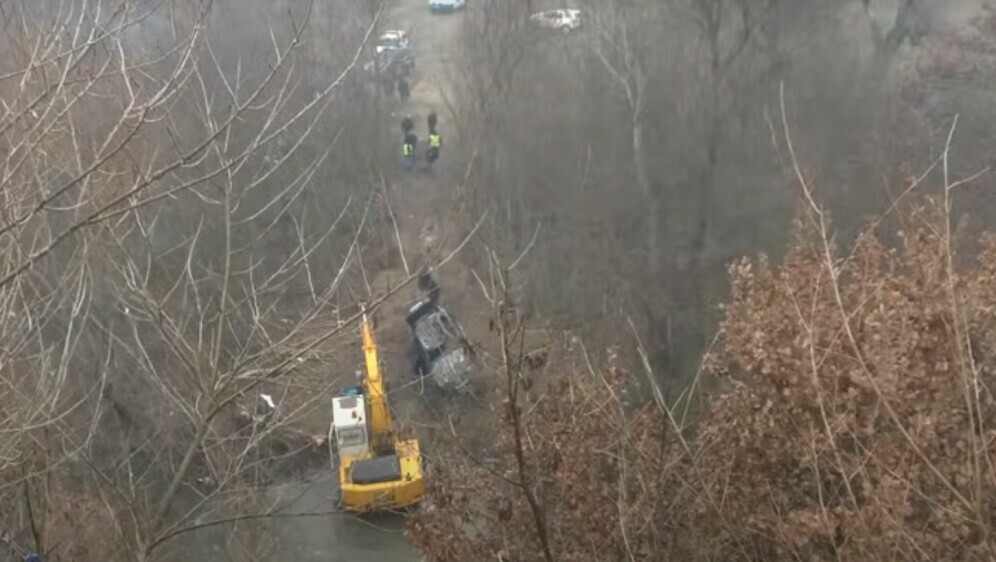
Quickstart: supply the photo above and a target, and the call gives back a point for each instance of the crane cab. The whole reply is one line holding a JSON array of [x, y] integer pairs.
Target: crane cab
[[349, 425]]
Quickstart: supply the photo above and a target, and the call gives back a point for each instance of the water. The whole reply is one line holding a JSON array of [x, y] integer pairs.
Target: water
[[304, 531], [338, 537]]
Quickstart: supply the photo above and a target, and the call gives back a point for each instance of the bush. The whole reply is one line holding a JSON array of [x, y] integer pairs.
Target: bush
[[856, 423], [593, 469], [862, 424]]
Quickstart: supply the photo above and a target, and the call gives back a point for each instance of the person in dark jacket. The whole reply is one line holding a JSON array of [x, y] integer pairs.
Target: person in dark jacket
[[427, 284], [403, 90]]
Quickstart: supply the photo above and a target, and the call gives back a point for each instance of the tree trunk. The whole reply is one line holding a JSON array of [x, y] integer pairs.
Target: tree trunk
[[704, 193], [653, 202]]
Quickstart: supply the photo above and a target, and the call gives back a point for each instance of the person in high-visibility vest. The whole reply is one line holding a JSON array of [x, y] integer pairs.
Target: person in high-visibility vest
[[435, 141], [408, 149], [409, 143], [435, 144]]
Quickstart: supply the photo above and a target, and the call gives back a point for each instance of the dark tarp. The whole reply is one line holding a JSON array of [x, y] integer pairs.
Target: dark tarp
[[378, 469]]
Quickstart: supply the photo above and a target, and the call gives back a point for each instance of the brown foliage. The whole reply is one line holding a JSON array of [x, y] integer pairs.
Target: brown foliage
[[856, 424], [862, 426], [599, 473]]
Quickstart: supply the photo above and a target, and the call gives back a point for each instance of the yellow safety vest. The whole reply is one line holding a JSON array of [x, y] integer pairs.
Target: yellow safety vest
[[435, 141]]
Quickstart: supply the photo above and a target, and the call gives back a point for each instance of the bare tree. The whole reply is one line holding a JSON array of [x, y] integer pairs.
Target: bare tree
[[620, 57], [144, 304], [910, 22]]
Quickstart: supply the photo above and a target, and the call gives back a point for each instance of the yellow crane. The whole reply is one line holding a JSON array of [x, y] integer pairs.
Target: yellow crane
[[378, 467]]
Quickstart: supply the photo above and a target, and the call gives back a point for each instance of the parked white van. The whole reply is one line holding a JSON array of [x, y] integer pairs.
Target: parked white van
[[446, 5]]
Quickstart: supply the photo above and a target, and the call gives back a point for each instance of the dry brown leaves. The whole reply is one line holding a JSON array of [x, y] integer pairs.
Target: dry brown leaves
[[863, 427], [857, 424], [599, 473]]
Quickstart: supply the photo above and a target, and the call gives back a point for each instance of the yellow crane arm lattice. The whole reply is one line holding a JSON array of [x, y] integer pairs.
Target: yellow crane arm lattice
[[380, 415]]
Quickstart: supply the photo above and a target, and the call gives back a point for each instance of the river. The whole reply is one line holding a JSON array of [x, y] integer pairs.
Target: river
[[296, 534]]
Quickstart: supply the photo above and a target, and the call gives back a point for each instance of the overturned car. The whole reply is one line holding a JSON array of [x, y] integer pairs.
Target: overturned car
[[441, 351]]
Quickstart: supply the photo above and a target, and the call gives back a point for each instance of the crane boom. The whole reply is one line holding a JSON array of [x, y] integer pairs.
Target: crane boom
[[380, 415]]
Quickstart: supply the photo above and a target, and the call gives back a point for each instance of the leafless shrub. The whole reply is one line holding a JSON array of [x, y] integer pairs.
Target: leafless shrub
[[160, 265]]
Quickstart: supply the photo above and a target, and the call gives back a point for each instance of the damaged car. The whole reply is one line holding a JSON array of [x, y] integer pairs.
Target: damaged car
[[441, 351], [564, 19]]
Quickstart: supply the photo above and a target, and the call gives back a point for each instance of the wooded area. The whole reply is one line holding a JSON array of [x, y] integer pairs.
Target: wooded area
[[724, 264]]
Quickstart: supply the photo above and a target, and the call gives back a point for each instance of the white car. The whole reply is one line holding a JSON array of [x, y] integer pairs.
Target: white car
[[446, 5], [564, 19], [392, 39]]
